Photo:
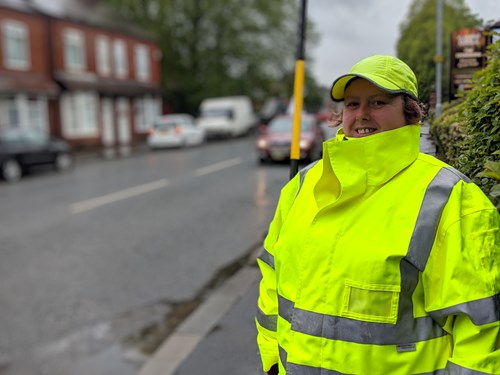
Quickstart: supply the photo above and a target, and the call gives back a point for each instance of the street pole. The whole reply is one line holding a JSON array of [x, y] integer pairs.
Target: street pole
[[439, 55], [298, 93]]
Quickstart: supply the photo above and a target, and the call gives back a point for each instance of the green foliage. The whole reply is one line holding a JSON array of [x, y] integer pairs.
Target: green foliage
[[492, 171], [482, 121], [221, 47], [417, 42], [448, 132], [468, 131]]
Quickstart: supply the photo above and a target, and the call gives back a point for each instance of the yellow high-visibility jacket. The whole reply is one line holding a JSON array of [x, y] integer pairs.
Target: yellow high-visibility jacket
[[381, 260]]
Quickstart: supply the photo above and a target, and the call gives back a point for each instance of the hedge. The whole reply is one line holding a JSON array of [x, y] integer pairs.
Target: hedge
[[467, 133]]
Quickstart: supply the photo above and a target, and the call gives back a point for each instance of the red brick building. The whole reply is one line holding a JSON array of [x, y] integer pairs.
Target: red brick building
[[77, 72]]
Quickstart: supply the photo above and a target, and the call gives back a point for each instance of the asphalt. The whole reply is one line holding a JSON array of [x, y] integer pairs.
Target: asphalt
[[219, 338]]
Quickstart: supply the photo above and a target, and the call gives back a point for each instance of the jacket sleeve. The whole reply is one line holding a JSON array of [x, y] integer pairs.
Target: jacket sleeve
[[267, 312], [463, 287]]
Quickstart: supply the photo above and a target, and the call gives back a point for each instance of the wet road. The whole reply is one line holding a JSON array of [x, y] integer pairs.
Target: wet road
[[92, 257]]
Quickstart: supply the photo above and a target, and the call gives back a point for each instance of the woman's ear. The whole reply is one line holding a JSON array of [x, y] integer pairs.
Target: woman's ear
[[335, 119], [412, 110]]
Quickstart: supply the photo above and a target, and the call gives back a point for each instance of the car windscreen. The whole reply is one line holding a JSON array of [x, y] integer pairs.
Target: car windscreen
[[283, 125], [165, 124], [217, 112], [17, 136]]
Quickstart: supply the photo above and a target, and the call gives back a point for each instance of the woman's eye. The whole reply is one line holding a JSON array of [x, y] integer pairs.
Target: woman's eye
[[351, 104], [378, 103]]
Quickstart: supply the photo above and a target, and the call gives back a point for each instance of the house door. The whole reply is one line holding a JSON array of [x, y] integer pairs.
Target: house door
[[108, 132], [124, 128]]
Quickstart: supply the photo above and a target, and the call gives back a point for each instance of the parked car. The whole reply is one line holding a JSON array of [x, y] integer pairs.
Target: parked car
[[21, 149], [230, 116], [175, 130], [275, 140]]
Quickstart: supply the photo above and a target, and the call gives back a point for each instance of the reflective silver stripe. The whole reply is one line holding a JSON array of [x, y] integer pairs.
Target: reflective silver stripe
[[407, 329], [267, 321], [350, 330], [283, 356], [295, 369], [285, 308], [454, 369], [266, 257], [435, 198], [481, 311], [459, 174]]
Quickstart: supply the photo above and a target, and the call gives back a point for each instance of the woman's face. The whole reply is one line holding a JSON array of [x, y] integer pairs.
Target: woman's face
[[369, 110]]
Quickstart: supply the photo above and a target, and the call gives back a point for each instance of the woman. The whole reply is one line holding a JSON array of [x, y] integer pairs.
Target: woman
[[380, 259]]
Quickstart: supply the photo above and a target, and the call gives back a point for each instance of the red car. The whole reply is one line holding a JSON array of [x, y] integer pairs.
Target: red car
[[275, 139]]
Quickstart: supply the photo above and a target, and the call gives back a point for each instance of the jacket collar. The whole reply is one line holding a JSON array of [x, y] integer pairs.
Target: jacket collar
[[355, 164]]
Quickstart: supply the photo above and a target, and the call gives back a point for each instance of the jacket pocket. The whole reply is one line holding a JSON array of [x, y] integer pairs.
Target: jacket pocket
[[371, 302]]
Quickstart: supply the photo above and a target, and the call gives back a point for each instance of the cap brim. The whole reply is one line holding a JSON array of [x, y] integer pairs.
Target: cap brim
[[338, 86]]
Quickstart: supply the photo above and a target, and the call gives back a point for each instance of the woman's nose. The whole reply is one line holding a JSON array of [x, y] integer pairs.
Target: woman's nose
[[363, 112]]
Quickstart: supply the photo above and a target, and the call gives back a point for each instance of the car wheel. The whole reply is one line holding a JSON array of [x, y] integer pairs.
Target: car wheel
[[11, 170], [63, 162]]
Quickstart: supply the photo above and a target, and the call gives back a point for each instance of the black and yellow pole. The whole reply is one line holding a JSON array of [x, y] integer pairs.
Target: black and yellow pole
[[298, 90]]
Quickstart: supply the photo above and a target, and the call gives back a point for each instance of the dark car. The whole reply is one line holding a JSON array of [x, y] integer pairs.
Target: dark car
[[22, 149], [275, 140]]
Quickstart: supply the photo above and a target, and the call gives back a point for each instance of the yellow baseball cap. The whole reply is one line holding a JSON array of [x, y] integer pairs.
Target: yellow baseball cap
[[387, 72]]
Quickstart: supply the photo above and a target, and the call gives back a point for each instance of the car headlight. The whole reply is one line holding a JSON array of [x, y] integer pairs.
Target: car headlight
[[304, 143], [261, 143]]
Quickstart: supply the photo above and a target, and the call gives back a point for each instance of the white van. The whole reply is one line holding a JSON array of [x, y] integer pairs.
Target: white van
[[229, 116]]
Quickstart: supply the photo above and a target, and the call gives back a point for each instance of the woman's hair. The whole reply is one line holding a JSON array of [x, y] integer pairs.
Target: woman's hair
[[411, 109]]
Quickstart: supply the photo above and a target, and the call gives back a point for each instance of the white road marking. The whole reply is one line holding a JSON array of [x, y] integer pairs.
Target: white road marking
[[217, 166], [90, 204]]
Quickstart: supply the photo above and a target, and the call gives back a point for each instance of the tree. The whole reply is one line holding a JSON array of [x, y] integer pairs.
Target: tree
[[417, 42], [220, 47]]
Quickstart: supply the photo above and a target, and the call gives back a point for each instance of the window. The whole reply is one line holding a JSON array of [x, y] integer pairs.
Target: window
[[36, 114], [88, 113], [79, 114], [103, 55], [15, 45], [74, 50], [120, 58], [142, 66], [147, 109], [12, 114], [140, 120]]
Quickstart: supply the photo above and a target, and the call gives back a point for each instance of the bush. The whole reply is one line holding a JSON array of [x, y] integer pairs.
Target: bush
[[448, 131], [482, 122], [467, 133], [492, 171]]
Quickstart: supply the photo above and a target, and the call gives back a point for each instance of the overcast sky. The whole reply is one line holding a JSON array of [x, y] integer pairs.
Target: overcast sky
[[351, 30]]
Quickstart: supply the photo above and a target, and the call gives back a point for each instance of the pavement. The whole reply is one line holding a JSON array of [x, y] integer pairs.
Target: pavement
[[219, 338]]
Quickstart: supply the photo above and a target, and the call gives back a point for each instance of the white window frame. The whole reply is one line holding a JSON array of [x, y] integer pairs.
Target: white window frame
[[140, 118], [142, 62], [16, 45], [79, 114], [21, 111], [103, 55], [147, 110], [120, 58], [13, 115], [37, 113], [74, 50]]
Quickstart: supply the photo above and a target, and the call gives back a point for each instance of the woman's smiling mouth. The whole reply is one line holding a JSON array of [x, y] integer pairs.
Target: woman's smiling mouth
[[365, 131]]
